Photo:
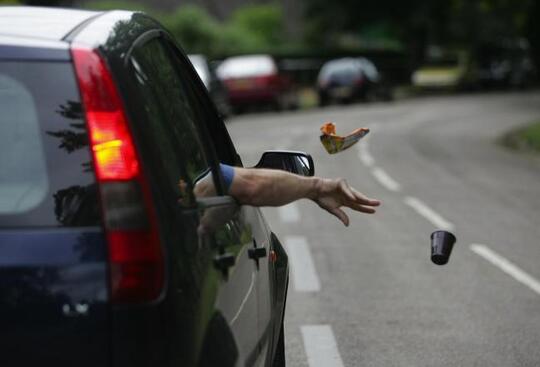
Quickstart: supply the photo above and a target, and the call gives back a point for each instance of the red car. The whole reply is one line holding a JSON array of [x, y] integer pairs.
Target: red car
[[255, 80]]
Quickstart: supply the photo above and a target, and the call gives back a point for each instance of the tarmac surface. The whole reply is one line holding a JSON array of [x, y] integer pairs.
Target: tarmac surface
[[368, 295]]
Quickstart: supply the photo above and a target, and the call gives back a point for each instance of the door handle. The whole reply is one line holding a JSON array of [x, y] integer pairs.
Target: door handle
[[256, 253], [224, 261]]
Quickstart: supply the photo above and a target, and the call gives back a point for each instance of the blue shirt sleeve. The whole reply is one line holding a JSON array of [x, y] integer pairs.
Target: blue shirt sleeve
[[227, 172]]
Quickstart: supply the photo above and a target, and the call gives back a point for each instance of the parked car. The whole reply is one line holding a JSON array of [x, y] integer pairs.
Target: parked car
[[446, 71], [107, 257], [255, 80], [349, 79], [215, 86]]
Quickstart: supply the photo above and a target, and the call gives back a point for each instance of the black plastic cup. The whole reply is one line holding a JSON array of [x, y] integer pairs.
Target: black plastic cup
[[442, 243]]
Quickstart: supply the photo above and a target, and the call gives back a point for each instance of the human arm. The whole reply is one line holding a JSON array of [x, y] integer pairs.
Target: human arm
[[266, 187]]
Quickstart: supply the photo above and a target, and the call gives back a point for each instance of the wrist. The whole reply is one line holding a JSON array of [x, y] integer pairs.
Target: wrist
[[315, 186]]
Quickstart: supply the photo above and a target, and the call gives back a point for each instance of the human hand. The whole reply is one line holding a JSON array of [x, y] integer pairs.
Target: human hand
[[332, 194]]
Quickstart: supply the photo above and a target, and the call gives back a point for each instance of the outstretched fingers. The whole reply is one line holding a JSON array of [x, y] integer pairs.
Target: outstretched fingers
[[362, 199], [362, 208], [340, 214], [346, 190]]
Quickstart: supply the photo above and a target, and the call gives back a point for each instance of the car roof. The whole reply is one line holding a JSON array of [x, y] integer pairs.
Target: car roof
[[246, 66], [43, 23]]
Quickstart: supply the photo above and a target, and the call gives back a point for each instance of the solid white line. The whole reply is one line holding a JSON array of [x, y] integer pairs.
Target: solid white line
[[363, 153], [304, 276], [506, 266], [384, 179], [289, 213], [320, 346], [428, 213]]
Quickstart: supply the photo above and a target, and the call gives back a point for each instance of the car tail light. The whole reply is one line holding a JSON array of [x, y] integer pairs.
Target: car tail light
[[135, 254]]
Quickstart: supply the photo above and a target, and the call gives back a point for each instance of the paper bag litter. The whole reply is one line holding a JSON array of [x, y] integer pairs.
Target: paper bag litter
[[334, 143]]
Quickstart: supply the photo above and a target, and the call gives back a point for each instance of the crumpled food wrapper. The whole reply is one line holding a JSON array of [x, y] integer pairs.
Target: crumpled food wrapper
[[334, 143]]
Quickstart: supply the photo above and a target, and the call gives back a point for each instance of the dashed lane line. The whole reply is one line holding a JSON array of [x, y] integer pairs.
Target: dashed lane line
[[431, 215], [506, 266], [289, 213], [364, 155], [320, 346], [384, 179], [303, 271]]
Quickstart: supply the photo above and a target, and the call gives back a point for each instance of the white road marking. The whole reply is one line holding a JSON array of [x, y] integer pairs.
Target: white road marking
[[320, 346], [289, 213], [384, 179], [428, 213], [506, 266], [363, 153], [304, 276]]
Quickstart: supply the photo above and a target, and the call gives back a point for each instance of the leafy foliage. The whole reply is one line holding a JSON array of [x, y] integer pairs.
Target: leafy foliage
[[264, 22], [254, 28], [438, 21], [194, 28]]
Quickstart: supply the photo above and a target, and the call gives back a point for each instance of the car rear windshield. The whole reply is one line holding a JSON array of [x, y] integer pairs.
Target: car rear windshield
[[46, 176]]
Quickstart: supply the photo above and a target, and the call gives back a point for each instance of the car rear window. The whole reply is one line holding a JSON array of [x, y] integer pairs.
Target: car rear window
[[46, 176]]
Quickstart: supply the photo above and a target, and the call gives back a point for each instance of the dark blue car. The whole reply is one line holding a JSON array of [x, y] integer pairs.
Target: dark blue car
[[107, 258]]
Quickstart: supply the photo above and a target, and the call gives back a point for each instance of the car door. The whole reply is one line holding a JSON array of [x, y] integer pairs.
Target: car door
[[208, 238], [252, 217], [261, 246]]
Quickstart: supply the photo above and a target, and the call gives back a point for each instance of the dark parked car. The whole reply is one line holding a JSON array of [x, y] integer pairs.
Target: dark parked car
[[255, 81], [216, 88], [349, 79], [107, 257]]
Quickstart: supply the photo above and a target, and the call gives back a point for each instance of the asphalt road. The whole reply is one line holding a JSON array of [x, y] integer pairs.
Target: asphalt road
[[368, 295]]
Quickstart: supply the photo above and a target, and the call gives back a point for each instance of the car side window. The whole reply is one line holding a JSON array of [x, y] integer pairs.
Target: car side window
[[174, 121], [218, 134]]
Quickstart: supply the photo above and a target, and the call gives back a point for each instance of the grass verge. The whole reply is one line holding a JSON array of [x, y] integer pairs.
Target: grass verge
[[524, 139]]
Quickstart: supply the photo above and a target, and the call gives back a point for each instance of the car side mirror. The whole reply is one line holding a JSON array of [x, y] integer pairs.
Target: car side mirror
[[299, 163]]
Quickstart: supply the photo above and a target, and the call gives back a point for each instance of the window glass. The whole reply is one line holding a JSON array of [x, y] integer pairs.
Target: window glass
[[24, 181], [172, 117], [46, 176]]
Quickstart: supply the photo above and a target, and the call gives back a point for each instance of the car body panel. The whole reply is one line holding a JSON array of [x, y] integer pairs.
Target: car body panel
[[54, 304], [445, 70], [18, 48], [204, 314], [47, 23], [347, 79]]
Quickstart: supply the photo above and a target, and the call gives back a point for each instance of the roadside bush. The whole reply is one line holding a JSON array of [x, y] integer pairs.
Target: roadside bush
[[525, 138]]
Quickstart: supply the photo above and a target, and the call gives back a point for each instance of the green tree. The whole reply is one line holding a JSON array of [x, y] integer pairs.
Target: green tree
[[264, 22], [194, 28], [417, 23]]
